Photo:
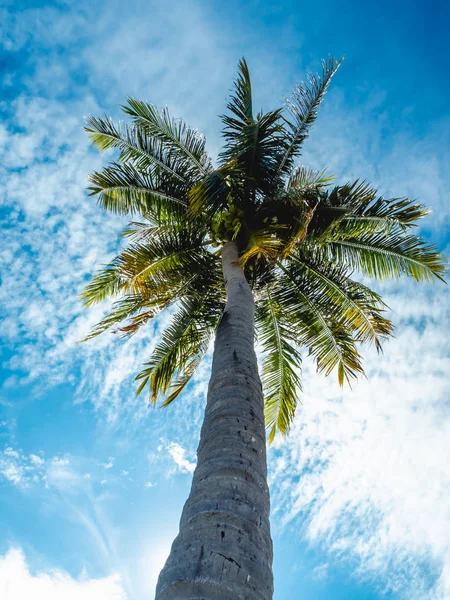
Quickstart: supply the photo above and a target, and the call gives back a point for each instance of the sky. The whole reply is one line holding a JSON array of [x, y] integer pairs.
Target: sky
[[92, 480]]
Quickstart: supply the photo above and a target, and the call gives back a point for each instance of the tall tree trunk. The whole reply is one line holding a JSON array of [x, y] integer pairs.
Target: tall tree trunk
[[224, 550]]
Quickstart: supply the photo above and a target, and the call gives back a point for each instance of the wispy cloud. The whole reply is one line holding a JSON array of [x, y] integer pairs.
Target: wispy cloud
[[178, 454]]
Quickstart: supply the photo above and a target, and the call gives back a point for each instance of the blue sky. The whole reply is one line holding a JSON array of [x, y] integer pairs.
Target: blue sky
[[91, 480]]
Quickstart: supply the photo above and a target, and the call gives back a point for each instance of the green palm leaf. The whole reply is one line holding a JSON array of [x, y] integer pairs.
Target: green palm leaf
[[369, 213], [304, 107], [122, 189], [359, 307], [104, 284], [182, 346], [128, 307], [240, 104], [172, 133], [252, 144], [165, 262], [142, 152], [384, 256], [322, 332], [281, 381], [304, 181]]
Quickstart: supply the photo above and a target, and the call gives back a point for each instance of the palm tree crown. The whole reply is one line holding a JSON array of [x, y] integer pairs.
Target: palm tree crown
[[300, 239]]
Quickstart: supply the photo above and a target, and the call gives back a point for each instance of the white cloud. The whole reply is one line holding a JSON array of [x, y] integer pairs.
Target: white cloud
[[13, 473], [178, 454], [17, 583], [65, 474], [10, 452], [36, 460], [20, 469]]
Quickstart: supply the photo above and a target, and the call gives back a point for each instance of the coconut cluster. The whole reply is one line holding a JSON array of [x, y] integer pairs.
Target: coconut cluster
[[226, 225]]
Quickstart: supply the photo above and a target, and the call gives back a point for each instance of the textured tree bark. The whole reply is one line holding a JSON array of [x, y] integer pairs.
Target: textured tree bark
[[224, 549]]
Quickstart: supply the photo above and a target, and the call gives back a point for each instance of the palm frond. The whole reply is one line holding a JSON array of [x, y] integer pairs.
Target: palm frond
[[240, 104], [261, 243], [163, 263], [136, 309], [304, 107], [358, 307], [182, 346], [355, 196], [282, 361], [322, 332], [211, 195], [332, 207], [140, 264], [126, 308], [384, 256], [104, 284], [252, 144], [254, 149], [173, 133], [307, 181], [140, 232], [141, 151], [381, 215], [122, 189]]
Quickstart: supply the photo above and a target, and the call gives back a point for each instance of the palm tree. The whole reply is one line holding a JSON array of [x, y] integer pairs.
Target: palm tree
[[255, 244]]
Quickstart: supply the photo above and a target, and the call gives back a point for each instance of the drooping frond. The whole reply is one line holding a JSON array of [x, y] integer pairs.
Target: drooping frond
[[166, 282], [162, 263], [318, 329], [384, 256], [144, 153], [122, 189], [280, 377], [381, 215], [182, 346], [141, 231], [304, 106], [160, 259], [360, 308], [105, 284], [139, 309], [174, 134]]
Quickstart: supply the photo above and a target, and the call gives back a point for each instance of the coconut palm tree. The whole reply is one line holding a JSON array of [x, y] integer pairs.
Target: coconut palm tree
[[255, 247]]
